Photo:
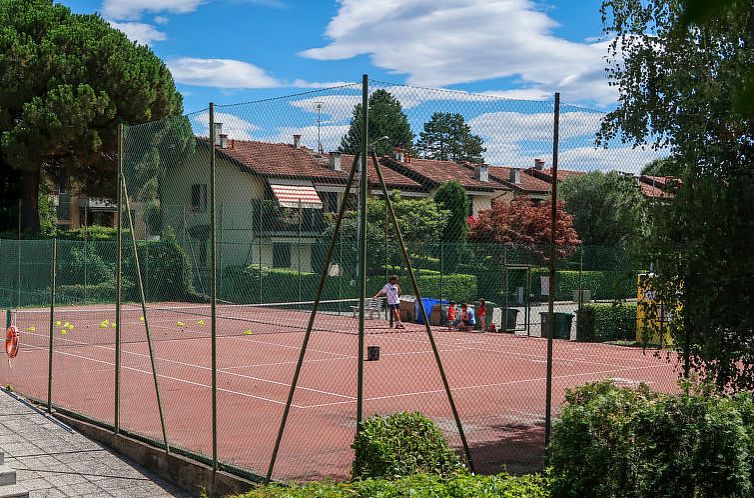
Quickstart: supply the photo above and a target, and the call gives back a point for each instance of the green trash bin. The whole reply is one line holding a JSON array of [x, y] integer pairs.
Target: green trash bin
[[562, 325], [510, 319]]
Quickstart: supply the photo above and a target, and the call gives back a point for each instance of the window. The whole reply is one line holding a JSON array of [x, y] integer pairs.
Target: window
[[469, 206], [281, 255], [330, 200], [199, 198], [64, 206]]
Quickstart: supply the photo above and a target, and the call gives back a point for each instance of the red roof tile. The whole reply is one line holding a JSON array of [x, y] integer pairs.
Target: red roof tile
[[279, 160], [653, 192], [546, 174], [393, 179], [433, 172], [527, 183]]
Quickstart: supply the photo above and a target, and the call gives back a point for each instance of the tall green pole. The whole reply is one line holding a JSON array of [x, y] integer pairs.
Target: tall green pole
[[53, 274], [362, 245], [140, 285], [551, 297], [213, 282], [425, 316], [119, 278], [312, 315]]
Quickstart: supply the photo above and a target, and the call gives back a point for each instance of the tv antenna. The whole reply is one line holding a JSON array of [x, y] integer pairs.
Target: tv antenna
[[319, 105]]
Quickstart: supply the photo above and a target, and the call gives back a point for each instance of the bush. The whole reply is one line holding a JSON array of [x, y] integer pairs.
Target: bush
[[457, 287], [604, 284], [92, 233], [400, 445], [418, 486], [606, 322], [82, 266], [620, 442]]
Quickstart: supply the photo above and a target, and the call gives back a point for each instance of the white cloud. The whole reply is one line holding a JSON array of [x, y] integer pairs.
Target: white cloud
[[314, 84], [331, 136], [619, 158], [139, 32], [132, 9], [333, 107], [161, 20], [234, 126], [220, 73], [516, 126], [444, 42]]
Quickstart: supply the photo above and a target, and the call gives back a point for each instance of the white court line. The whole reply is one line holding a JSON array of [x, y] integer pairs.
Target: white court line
[[484, 386], [185, 381], [200, 367]]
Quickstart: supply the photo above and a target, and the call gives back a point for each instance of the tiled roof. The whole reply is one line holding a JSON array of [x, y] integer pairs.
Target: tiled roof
[[653, 191], [546, 174], [279, 160], [393, 179], [434, 172], [662, 182], [527, 183]]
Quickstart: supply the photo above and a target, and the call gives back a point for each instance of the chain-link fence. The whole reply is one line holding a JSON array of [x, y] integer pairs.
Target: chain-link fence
[[240, 222]]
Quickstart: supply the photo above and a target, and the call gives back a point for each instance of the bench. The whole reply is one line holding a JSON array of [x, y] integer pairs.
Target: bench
[[372, 308]]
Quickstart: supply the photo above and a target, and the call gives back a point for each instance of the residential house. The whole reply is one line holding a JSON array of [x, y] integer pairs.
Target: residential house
[[74, 209], [272, 198]]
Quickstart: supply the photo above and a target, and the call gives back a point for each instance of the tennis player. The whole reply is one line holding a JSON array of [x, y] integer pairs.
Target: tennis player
[[392, 290]]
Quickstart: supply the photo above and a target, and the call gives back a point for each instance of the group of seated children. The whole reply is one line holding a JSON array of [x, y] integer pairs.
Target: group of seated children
[[466, 321]]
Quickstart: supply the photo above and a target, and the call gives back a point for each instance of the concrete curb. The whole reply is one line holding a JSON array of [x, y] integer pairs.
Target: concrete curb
[[188, 474]]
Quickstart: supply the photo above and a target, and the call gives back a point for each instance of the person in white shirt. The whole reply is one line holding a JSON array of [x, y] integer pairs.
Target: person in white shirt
[[392, 290]]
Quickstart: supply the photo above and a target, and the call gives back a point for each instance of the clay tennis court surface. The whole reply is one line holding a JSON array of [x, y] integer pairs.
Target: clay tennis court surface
[[498, 381]]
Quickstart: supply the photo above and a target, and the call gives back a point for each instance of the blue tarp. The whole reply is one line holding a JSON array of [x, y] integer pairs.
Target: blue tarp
[[428, 303]]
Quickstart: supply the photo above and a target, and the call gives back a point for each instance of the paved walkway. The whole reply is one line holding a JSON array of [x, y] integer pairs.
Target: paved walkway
[[52, 460]]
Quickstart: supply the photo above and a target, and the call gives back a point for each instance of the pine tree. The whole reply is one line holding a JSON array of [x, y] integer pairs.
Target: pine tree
[[386, 118], [447, 137]]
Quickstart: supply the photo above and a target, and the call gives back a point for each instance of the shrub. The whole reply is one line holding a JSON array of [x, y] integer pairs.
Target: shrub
[[399, 445], [606, 322], [418, 486], [620, 442], [603, 284], [92, 233], [82, 266], [457, 287]]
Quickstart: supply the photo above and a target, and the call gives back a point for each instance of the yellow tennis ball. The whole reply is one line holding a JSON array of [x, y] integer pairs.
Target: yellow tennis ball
[[248, 332], [70, 326], [31, 329], [180, 324], [103, 325], [58, 323], [141, 318], [200, 322], [63, 332], [112, 324]]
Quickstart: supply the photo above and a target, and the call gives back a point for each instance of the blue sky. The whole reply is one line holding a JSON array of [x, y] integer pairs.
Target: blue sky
[[229, 51]]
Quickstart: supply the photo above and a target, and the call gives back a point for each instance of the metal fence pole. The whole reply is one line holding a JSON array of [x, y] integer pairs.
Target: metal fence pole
[[425, 316], [53, 274], [551, 297], [213, 282], [118, 278], [362, 245], [140, 285], [310, 326]]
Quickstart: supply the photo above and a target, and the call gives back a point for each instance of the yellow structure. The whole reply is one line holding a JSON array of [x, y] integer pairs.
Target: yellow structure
[[652, 317]]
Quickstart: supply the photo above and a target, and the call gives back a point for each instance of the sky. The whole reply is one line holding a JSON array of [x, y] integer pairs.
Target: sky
[[231, 51]]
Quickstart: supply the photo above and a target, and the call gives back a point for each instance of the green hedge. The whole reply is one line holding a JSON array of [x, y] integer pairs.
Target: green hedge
[[417, 486], [603, 284], [606, 322], [621, 442], [401, 444]]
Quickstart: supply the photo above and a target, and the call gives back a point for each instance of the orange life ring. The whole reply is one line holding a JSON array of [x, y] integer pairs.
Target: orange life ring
[[11, 341]]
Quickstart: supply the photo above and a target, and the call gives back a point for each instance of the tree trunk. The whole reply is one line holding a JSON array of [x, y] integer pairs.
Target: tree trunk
[[30, 202]]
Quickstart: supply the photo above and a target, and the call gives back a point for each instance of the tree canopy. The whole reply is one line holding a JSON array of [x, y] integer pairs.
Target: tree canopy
[[447, 137], [386, 119], [66, 81], [678, 78], [607, 208], [668, 166], [527, 224]]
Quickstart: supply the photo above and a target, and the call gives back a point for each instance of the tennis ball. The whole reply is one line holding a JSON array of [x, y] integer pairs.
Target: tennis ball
[[200, 322], [70, 326], [31, 329], [58, 323], [247, 332], [64, 332], [104, 325], [112, 324], [180, 324], [141, 318]]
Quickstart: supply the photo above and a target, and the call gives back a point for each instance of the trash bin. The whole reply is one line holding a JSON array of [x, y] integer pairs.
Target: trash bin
[[429, 303], [562, 324], [510, 319]]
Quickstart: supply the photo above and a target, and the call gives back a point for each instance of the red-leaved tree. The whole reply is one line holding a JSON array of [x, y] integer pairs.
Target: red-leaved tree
[[523, 223]]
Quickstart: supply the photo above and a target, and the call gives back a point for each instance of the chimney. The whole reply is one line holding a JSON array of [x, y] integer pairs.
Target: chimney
[[482, 173], [399, 154], [334, 158], [515, 175], [218, 132], [539, 164], [296, 141], [223, 141]]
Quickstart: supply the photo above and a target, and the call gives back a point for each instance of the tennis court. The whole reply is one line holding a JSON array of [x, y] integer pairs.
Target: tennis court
[[498, 380]]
